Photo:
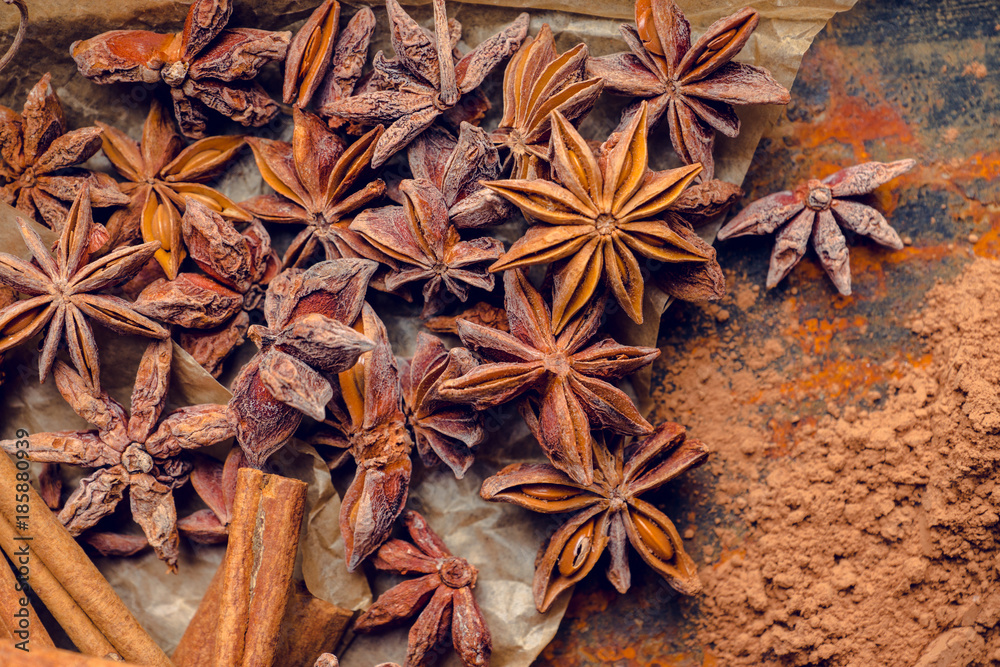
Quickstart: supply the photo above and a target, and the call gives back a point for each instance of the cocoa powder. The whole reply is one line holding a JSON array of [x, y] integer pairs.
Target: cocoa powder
[[869, 536]]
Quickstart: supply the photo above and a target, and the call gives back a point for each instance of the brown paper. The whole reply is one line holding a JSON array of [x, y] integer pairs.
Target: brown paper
[[499, 539]]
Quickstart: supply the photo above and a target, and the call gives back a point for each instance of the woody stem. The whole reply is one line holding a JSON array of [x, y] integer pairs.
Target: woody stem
[[446, 64]]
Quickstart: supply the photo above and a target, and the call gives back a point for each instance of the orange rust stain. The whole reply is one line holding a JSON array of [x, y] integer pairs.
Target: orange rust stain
[[784, 434], [816, 336], [849, 119], [988, 244]]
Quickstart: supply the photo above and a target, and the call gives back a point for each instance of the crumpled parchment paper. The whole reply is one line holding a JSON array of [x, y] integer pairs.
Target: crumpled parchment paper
[[500, 540]]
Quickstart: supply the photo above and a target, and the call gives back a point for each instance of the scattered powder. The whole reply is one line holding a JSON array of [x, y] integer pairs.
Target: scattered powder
[[870, 537]]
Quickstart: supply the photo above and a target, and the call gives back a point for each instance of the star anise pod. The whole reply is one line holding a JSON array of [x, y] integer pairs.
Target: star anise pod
[[608, 514], [565, 379], [320, 182], [420, 238], [35, 149], [215, 484], [444, 592], [322, 60], [424, 81], [813, 211], [206, 66], [366, 414], [443, 430], [239, 267], [456, 167], [598, 213], [695, 86], [482, 313], [65, 289], [537, 82], [162, 176], [130, 452], [308, 336], [7, 297]]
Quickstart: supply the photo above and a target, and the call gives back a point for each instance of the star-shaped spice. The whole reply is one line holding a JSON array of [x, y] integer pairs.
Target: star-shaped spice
[[444, 593], [456, 166], [130, 453], [420, 238], [608, 514], [162, 175], [537, 82], [320, 182], [694, 86], [330, 660], [443, 430], [813, 212], [424, 81], [602, 211], [565, 379], [215, 484], [65, 289], [239, 267], [367, 417], [206, 66], [322, 61], [35, 149], [308, 339]]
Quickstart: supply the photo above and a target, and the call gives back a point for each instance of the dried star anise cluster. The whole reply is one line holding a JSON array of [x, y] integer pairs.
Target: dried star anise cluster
[[440, 228]]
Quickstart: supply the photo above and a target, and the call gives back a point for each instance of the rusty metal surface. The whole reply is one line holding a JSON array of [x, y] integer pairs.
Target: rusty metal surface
[[886, 80]]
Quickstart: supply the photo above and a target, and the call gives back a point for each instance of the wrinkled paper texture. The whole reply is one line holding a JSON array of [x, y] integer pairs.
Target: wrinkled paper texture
[[499, 539]]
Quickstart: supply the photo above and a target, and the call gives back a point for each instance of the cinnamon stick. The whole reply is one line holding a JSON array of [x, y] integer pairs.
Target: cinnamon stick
[[260, 560], [51, 657], [18, 620], [60, 553], [71, 618], [311, 627]]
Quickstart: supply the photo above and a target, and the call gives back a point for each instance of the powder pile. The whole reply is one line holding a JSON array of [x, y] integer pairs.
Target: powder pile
[[870, 537]]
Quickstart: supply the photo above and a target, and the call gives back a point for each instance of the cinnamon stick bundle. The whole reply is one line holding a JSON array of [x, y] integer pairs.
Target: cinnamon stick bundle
[[311, 627], [16, 618], [51, 657], [260, 560], [53, 547], [71, 618]]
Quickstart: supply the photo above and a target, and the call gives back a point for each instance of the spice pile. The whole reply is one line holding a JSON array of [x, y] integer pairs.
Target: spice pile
[[872, 539], [170, 258]]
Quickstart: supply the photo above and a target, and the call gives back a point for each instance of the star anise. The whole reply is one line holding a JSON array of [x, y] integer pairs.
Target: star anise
[[330, 660], [450, 610], [482, 313], [813, 211], [420, 238], [162, 176], [443, 430], [321, 60], [320, 182], [537, 82], [206, 66], [608, 514], [130, 452], [65, 289], [598, 213], [366, 414], [565, 379], [35, 147], [7, 297], [695, 86], [424, 81], [456, 167], [308, 338], [239, 267], [215, 483]]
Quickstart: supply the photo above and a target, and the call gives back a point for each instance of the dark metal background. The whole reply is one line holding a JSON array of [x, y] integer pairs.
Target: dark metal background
[[887, 80]]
